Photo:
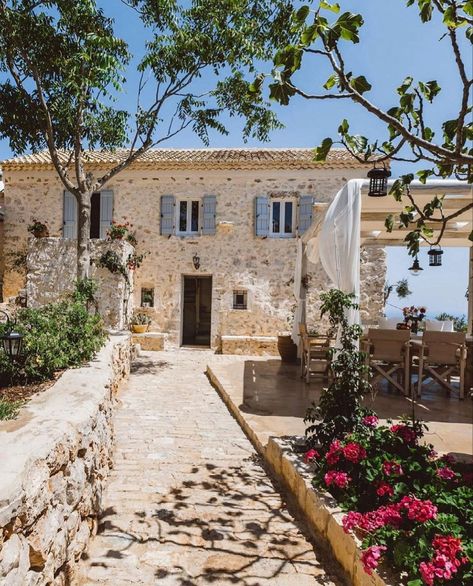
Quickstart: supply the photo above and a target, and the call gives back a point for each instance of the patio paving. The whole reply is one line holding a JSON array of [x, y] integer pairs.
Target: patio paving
[[188, 502], [272, 399]]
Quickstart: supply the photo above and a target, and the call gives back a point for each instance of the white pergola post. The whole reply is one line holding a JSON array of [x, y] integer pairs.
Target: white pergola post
[[470, 293]]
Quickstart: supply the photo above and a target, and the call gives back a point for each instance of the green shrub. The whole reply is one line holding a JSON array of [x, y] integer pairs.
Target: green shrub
[[8, 409], [56, 336]]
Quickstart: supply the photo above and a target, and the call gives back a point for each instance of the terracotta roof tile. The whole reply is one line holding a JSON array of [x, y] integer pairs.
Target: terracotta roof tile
[[231, 158]]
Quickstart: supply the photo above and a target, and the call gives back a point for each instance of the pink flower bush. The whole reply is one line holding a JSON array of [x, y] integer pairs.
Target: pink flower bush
[[354, 452], [392, 469], [446, 473], [333, 454], [311, 455], [418, 510], [406, 433], [384, 489], [336, 478], [370, 420], [445, 562], [370, 557]]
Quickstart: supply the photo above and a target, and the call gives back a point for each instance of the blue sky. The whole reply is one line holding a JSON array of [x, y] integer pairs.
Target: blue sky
[[394, 44]]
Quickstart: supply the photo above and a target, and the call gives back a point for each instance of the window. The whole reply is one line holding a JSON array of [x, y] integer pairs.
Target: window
[[282, 218], [147, 297], [240, 299], [188, 216]]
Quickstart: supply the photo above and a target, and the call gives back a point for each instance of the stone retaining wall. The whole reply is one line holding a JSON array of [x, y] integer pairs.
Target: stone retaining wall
[[55, 459], [250, 345], [52, 272]]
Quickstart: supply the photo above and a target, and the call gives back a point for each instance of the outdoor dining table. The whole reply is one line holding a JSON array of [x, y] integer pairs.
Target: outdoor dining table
[[416, 343]]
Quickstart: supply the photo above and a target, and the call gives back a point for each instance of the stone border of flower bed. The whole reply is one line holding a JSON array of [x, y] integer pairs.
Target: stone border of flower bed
[[55, 460], [319, 509]]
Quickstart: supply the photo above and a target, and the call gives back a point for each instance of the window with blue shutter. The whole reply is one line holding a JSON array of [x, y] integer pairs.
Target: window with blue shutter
[[306, 206], [209, 206], [69, 229], [262, 216], [167, 215], [106, 211]]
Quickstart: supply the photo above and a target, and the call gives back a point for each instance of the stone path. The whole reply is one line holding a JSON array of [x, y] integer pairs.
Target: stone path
[[188, 503]]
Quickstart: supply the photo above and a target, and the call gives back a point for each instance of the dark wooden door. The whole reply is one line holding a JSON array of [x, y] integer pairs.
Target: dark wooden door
[[197, 311]]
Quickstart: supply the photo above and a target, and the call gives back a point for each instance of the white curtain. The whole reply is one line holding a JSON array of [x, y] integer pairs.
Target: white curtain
[[339, 244]]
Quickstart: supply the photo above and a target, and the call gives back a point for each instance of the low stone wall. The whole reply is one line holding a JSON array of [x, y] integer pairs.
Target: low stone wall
[[52, 271], [55, 459], [250, 345], [320, 511]]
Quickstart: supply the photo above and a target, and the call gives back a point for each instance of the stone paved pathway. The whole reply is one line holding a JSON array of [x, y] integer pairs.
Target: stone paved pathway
[[188, 503]]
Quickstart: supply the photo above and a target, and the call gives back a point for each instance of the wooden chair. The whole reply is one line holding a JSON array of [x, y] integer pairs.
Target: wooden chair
[[388, 355], [315, 355], [442, 355]]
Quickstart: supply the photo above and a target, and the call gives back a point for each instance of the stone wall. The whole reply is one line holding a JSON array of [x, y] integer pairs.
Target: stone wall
[[234, 256], [51, 273], [55, 459]]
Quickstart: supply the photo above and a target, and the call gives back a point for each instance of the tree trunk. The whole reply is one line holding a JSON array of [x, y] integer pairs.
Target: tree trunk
[[83, 236]]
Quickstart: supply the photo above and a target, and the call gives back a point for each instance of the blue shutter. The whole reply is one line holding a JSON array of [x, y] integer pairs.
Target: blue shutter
[[262, 216], [305, 213], [167, 214], [69, 229], [209, 214], [106, 211]]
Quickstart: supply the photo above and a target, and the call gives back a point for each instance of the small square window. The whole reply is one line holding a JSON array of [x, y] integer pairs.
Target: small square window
[[147, 297], [240, 299]]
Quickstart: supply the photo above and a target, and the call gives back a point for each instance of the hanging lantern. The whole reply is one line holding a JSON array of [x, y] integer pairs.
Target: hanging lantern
[[196, 261], [378, 181], [12, 342], [415, 269], [435, 257]]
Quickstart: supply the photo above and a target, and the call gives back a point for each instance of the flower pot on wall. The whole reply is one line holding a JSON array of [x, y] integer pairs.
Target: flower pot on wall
[[287, 349], [139, 328]]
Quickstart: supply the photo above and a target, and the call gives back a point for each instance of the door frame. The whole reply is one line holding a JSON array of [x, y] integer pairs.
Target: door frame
[[181, 325]]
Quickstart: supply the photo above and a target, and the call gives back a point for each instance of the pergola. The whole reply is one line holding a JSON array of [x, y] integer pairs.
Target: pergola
[[354, 219]]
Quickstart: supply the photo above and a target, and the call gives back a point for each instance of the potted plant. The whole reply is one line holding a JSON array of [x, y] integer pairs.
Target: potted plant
[[120, 231], [412, 317], [38, 229], [140, 323]]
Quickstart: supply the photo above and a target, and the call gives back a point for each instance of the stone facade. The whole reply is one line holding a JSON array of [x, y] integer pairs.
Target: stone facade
[[234, 257], [55, 459], [51, 273]]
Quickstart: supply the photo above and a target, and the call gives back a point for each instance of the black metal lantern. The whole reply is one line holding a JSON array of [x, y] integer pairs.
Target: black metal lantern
[[415, 269], [12, 342], [378, 181], [435, 257], [196, 261]]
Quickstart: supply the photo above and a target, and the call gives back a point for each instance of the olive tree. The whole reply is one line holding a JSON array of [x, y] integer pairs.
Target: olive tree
[[63, 69], [322, 30]]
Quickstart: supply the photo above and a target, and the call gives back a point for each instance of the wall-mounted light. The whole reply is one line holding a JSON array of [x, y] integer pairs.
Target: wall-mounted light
[[435, 257], [196, 261], [378, 181], [415, 269]]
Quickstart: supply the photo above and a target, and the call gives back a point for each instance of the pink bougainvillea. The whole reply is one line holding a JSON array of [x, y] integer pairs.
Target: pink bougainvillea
[[370, 420], [311, 455], [384, 489], [336, 478], [370, 557], [354, 452], [333, 454], [392, 469]]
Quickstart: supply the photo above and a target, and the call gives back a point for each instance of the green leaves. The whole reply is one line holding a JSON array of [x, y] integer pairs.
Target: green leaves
[[321, 152], [360, 84]]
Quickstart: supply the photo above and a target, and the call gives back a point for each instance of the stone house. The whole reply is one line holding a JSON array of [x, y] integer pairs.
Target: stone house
[[221, 229]]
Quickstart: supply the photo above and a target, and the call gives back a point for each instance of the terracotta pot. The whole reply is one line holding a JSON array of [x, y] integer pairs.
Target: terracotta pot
[[139, 328], [287, 349]]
